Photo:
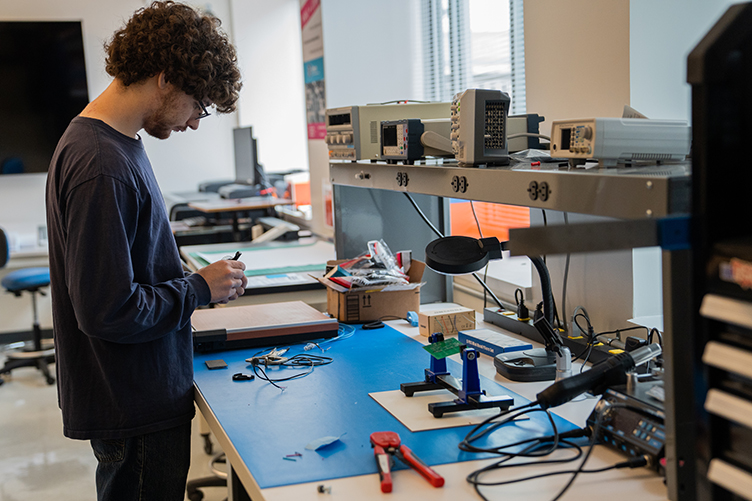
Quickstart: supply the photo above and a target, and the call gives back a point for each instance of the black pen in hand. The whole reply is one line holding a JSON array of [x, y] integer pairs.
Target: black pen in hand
[[236, 256]]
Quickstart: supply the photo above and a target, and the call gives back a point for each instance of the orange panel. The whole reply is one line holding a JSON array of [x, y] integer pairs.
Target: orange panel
[[495, 219], [301, 193]]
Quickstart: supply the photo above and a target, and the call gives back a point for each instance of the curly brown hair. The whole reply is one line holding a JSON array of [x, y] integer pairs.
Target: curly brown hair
[[187, 45]]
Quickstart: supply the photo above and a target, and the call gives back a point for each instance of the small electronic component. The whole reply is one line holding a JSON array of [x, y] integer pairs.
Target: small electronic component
[[479, 127], [215, 364]]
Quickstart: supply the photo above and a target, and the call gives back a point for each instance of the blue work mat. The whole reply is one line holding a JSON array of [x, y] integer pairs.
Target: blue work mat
[[265, 424]]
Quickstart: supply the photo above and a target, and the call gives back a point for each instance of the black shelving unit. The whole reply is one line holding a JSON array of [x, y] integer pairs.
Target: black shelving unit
[[720, 71]]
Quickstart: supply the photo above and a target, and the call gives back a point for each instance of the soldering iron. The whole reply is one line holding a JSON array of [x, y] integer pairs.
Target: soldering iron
[[608, 372]]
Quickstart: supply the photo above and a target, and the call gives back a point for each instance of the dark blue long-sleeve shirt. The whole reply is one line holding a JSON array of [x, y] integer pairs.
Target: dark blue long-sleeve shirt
[[121, 303]]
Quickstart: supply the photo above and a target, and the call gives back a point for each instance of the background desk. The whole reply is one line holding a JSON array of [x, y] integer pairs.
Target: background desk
[[257, 425], [277, 271]]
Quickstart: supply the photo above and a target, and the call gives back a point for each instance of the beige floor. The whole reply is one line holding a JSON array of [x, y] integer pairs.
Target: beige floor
[[37, 463]]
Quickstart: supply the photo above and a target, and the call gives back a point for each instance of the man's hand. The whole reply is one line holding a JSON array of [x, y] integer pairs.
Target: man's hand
[[226, 280]]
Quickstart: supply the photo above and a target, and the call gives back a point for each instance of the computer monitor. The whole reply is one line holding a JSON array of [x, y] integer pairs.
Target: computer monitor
[[247, 168], [42, 87]]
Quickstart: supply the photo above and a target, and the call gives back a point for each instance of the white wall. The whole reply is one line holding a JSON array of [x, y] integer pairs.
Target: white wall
[[576, 58], [267, 36], [661, 35], [577, 65], [370, 51]]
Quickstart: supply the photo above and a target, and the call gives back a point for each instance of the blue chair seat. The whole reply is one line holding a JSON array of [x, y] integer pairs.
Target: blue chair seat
[[26, 279]]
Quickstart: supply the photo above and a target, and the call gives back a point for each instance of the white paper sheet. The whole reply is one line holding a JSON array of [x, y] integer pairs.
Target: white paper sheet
[[279, 257], [413, 411]]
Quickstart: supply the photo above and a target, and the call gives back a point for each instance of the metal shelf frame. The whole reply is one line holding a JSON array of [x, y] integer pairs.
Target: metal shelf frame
[[624, 192]]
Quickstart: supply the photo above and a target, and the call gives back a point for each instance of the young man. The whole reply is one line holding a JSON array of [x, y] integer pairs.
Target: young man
[[121, 301]]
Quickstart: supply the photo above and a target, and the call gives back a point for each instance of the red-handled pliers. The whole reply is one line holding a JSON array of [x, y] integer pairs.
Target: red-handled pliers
[[386, 444]]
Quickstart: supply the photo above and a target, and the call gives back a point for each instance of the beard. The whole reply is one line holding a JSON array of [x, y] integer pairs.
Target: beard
[[162, 121]]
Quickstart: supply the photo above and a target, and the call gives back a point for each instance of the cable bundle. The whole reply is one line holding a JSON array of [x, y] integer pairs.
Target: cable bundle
[[297, 361]]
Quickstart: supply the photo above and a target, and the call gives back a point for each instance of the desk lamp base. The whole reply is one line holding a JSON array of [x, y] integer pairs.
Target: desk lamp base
[[537, 364]]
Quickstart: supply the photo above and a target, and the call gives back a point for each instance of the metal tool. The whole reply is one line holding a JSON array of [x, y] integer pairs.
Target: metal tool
[[387, 444], [274, 357]]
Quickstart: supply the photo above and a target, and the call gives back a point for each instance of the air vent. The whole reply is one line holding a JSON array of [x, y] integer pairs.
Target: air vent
[[651, 156], [495, 135]]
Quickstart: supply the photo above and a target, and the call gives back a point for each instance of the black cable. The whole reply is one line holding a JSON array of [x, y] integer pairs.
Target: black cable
[[564, 287], [640, 462], [485, 279], [537, 447], [545, 223], [485, 271], [545, 280], [296, 361], [477, 223], [440, 235], [587, 334], [470, 437], [618, 331], [593, 438], [592, 339], [306, 360], [660, 337]]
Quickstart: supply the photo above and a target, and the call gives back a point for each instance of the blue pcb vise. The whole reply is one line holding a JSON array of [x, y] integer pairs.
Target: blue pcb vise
[[468, 390]]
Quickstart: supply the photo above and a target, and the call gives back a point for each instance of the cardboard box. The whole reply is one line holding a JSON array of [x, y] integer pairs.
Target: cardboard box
[[361, 305], [448, 321]]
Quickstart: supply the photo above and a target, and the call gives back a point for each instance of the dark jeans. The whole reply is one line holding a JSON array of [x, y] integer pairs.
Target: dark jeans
[[152, 467]]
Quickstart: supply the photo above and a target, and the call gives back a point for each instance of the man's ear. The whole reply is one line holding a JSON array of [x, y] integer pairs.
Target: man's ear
[[162, 80]]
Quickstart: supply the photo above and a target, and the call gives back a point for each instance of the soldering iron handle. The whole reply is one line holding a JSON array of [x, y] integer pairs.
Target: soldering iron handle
[[606, 373], [428, 473]]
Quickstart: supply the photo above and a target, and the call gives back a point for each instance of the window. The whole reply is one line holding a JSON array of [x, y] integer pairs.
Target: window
[[476, 44], [473, 44]]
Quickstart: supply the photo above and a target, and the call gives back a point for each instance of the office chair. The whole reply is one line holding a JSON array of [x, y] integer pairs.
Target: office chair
[[219, 477], [29, 280]]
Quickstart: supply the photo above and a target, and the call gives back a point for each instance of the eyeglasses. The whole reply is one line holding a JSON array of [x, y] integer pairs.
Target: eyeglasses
[[204, 112]]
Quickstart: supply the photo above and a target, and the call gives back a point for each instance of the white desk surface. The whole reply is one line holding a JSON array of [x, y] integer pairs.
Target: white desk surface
[[617, 485]]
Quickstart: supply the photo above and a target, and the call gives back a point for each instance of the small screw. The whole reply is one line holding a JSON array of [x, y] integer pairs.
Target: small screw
[[649, 213], [650, 184]]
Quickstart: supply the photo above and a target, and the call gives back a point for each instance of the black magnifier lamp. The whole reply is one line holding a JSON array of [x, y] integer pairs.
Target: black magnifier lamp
[[458, 255]]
